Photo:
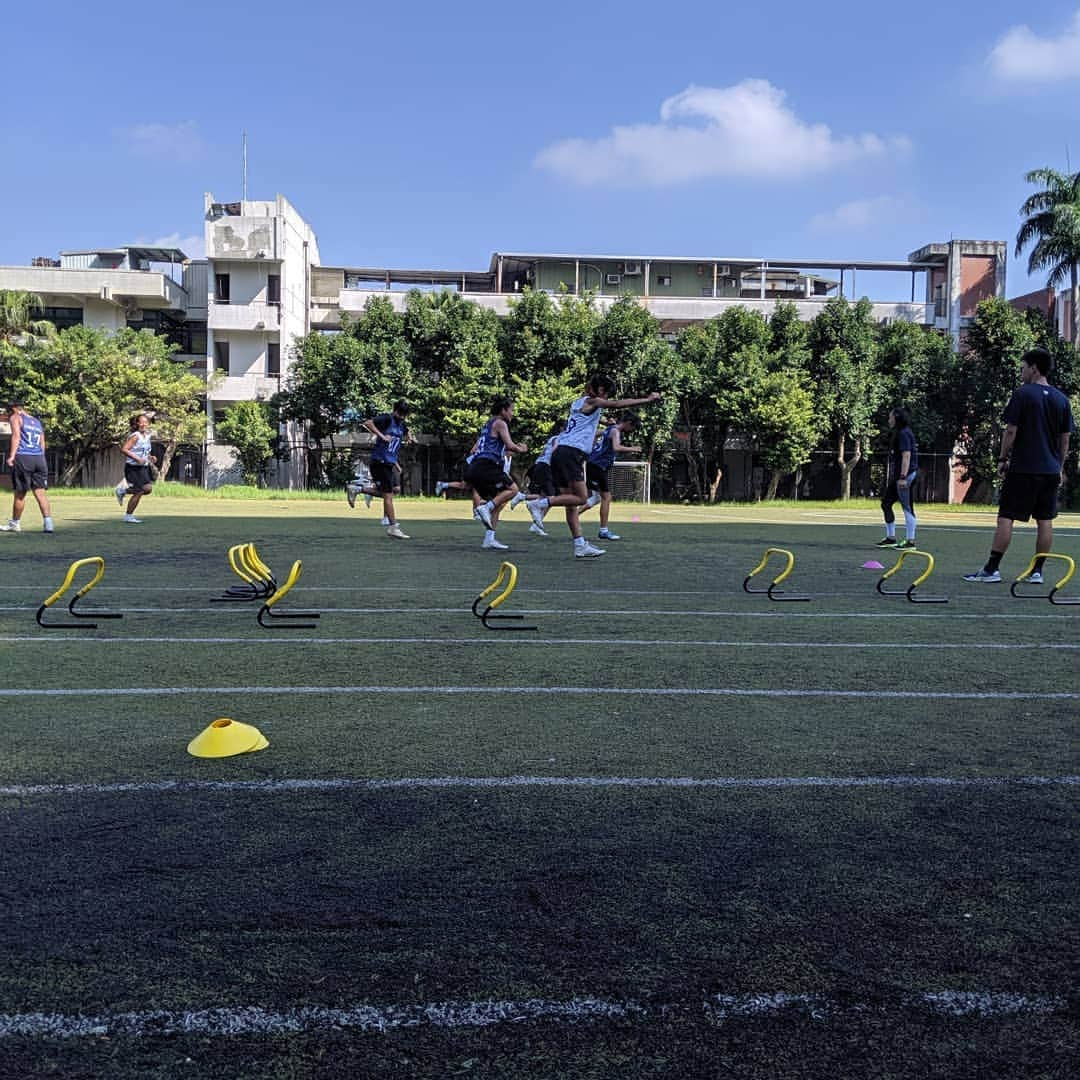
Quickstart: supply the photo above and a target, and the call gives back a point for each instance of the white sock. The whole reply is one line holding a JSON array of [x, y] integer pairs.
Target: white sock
[[48, 523], [579, 541], [489, 535], [542, 505]]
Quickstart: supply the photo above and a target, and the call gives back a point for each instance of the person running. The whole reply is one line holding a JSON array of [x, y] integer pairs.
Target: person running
[[568, 460], [598, 468], [540, 480], [29, 469], [1038, 423], [138, 480], [390, 431], [488, 473], [903, 469]]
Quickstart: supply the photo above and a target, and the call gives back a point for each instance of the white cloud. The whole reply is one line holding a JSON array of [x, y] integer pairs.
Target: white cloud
[[1023, 56], [171, 142], [194, 246], [746, 130], [858, 215]]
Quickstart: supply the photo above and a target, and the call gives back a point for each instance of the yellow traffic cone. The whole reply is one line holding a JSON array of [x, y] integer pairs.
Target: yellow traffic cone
[[225, 737]]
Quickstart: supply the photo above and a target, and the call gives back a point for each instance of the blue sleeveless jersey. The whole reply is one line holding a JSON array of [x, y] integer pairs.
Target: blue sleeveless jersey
[[603, 457], [391, 426], [488, 444], [31, 436]]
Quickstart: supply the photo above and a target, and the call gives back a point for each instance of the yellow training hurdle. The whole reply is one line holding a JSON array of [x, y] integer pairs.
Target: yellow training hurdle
[[1070, 569], [909, 592], [95, 561], [507, 581], [266, 612], [258, 580], [772, 592]]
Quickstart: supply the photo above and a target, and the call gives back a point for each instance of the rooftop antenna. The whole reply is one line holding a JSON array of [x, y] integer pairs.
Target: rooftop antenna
[[244, 187]]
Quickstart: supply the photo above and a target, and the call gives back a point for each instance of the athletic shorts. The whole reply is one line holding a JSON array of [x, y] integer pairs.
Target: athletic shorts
[[596, 479], [29, 473], [1029, 495], [383, 477], [568, 466], [137, 476], [540, 479], [486, 477]]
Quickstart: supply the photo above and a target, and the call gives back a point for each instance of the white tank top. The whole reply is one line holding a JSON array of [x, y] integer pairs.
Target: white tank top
[[580, 431], [141, 447]]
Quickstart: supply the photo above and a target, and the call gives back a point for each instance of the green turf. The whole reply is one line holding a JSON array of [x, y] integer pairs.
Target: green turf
[[191, 899]]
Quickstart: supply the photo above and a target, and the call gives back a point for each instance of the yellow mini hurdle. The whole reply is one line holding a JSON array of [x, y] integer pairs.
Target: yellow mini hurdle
[[267, 612], [772, 591], [507, 581], [1070, 569], [95, 561], [909, 592], [258, 581]]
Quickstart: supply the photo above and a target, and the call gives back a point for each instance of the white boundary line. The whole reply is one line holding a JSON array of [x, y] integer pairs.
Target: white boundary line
[[624, 691], [726, 783], [256, 1020], [651, 643]]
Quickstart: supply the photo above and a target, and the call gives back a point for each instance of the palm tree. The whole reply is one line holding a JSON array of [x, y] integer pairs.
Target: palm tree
[[1052, 226], [17, 311]]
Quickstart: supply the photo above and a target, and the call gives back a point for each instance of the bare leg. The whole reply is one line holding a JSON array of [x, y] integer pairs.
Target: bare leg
[[605, 508], [18, 504], [43, 502], [1002, 535], [388, 507], [1044, 536]]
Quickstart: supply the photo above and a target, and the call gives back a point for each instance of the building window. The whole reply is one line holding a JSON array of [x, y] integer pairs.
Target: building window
[[221, 356], [61, 317], [273, 288], [221, 288], [273, 358]]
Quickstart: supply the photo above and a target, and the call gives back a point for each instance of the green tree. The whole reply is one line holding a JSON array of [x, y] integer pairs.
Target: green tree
[[457, 370], [987, 374], [17, 321], [848, 384], [1052, 228], [919, 369], [248, 428]]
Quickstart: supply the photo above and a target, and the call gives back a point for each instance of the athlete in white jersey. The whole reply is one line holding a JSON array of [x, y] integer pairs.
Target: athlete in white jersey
[[137, 462], [568, 461]]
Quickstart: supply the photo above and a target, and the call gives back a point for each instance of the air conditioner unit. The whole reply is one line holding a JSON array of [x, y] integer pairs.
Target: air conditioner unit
[[105, 293], [632, 269], [723, 271], [613, 279]]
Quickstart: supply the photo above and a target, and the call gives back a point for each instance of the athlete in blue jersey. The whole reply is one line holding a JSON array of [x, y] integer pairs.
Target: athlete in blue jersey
[[1038, 424], [390, 431], [487, 474], [29, 470], [598, 468], [568, 461]]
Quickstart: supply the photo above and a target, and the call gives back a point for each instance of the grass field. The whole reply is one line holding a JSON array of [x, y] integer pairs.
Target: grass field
[[677, 830]]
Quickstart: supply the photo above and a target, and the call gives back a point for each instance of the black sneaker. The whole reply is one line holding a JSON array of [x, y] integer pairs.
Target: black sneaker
[[902, 544], [886, 541]]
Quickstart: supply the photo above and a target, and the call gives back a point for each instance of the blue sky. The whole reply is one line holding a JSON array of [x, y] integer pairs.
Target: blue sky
[[431, 134]]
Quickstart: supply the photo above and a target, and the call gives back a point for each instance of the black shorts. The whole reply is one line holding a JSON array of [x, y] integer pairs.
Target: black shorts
[[568, 467], [486, 477], [541, 481], [596, 479], [384, 477], [1029, 495], [29, 473], [138, 476]]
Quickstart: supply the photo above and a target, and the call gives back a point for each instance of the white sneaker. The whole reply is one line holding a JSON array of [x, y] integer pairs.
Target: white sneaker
[[492, 544], [48, 526], [587, 551], [606, 534], [350, 493], [591, 501], [982, 575], [1034, 578], [396, 533], [483, 513], [131, 519], [538, 529], [537, 514], [517, 500], [120, 491], [12, 526], [385, 520], [440, 486], [367, 500]]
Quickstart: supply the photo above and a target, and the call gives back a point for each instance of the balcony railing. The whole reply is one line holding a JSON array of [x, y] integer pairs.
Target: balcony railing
[[229, 316]]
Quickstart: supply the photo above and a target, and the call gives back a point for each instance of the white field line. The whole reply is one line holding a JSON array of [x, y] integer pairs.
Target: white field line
[[605, 613], [651, 643], [256, 1020], [724, 783], [622, 691]]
